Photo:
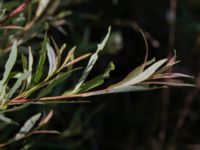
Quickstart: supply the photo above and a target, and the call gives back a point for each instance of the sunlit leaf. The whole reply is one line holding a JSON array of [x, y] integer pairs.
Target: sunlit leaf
[[52, 60], [24, 62], [171, 76], [58, 52], [45, 132], [121, 90], [41, 7], [3, 95], [9, 64], [40, 66], [171, 82], [97, 81], [142, 76], [7, 120], [91, 62], [17, 84], [27, 127], [54, 82], [30, 66], [137, 71], [17, 108]]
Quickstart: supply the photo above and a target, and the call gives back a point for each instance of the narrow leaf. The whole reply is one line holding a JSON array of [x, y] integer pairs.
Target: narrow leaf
[[40, 66], [97, 81], [9, 64], [100, 92], [91, 62], [52, 60], [41, 7], [30, 66], [17, 84], [46, 132], [19, 8], [7, 120], [54, 82], [27, 127], [138, 70], [24, 62], [171, 82], [18, 108], [171, 76], [144, 75]]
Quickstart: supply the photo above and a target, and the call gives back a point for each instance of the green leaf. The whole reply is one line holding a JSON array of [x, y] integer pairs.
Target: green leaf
[[128, 89], [9, 64], [52, 60], [54, 82], [138, 70], [40, 66], [17, 84], [91, 63], [7, 120], [27, 127], [97, 81], [142, 76], [118, 90], [17, 108], [24, 62], [58, 52], [41, 7], [3, 94], [173, 82], [30, 67]]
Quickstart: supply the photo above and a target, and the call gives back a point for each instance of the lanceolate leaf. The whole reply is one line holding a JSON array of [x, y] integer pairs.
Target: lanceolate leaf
[[7, 120], [142, 76], [137, 71], [30, 66], [3, 94], [58, 52], [17, 84], [41, 7], [54, 82], [24, 62], [97, 81], [52, 60], [99, 92], [27, 127], [171, 76], [40, 66], [9, 64], [91, 63], [46, 132], [122, 90], [18, 108], [174, 83]]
